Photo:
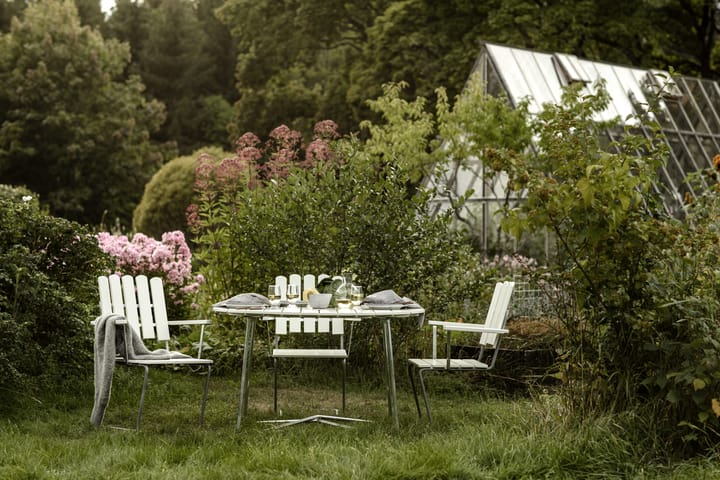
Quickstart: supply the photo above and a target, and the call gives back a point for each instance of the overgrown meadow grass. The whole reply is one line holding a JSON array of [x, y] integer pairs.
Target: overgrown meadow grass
[[474, 436]]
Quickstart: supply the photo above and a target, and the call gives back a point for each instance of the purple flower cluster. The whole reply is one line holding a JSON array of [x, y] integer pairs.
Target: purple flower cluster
[[257, 163], [169, 258], [512, 264]]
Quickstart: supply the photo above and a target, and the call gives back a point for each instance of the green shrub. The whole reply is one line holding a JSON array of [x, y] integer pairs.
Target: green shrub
[[639, 314], [341, 205], [47, 297], [168, 194]]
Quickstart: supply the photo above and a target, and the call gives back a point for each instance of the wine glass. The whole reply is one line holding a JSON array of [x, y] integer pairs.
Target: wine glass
[[356, 295], [342, 297], [274, 294], [293, 293]]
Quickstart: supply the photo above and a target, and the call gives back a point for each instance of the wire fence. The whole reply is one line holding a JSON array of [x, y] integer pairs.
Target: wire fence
[[531, 299]]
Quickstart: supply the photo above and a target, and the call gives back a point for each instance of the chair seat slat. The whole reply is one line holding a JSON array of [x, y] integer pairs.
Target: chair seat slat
[[441, 363], [309, 353]]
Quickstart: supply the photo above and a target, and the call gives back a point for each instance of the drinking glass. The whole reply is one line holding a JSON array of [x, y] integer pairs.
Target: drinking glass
[[274, 294], [342, 297], [356, 295], [293, 293]]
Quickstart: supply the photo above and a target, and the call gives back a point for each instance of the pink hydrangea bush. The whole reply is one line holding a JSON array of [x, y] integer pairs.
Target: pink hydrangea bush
[[170, 258]]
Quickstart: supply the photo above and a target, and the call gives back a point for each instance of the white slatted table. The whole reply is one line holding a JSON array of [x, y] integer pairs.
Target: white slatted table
[[252, 315]]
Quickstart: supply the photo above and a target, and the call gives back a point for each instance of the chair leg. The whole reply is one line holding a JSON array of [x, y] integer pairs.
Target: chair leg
[[205, 394], [424, 392], [142, 396], [344, 371], [414, 388], [275, 385]]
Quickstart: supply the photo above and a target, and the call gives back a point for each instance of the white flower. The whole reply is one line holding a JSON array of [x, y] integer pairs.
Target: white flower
[[26, 198]]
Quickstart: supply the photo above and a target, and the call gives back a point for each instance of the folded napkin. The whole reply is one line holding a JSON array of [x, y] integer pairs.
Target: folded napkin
[[389, 297], [244, 300]]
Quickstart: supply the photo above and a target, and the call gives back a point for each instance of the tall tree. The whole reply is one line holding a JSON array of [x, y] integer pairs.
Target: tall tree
[[186, 58], [130, 22], [8, 10], [90, 12], [71, 128], [176, 70], [301, 75], [421, 42]]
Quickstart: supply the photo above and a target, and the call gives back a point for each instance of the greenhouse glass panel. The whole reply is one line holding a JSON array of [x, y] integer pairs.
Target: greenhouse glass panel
[[688, 111]]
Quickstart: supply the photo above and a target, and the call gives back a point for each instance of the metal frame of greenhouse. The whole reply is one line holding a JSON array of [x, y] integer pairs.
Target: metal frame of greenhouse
[[689, 114]]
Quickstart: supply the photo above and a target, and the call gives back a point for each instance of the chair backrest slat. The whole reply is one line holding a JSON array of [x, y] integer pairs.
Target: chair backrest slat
[[118, 306], [104, 290], [281, 282], [158, 298], [306, 282], [497, 314], [295, 325], [145, 306], [140, 301], [131, 305], [286, 326]]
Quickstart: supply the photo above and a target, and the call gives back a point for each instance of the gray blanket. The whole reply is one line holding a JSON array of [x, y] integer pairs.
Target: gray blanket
[[109, 344]]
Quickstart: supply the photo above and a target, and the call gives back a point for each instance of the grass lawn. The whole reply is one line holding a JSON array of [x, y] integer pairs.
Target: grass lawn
[[473, 436]]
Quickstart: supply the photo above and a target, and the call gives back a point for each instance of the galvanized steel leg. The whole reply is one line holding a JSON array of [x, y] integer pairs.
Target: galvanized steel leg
[[275, 385], [424, 392], [142, 396], [205, 394], [414, 388], [245, 375], [389, 359], [344, 373]]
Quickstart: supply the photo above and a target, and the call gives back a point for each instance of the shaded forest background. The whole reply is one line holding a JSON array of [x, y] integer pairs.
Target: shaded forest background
[[210, 70]]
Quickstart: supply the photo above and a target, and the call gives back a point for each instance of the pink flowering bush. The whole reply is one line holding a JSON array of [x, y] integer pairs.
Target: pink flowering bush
[[258, 163], [169, 258]]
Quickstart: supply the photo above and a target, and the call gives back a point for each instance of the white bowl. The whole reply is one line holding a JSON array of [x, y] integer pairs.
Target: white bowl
[[319, 300]]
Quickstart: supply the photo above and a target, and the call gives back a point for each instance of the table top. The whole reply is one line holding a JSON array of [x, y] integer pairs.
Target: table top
[[355, 312]]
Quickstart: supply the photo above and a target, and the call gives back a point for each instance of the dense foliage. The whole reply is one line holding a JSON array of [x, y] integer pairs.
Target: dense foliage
[[186, 59], [48, 267], [218, 65], [168, 194], [337, 205], [69, 128], [640, 297]]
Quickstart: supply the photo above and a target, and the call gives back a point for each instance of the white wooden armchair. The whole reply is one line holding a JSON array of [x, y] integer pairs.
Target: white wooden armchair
[[490, 335], [141, 304]]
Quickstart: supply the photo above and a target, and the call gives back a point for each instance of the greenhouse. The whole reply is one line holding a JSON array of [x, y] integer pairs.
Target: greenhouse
[[689, 114]]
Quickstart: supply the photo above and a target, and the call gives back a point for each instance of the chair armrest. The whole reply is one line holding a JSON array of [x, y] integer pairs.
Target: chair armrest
[[471, 327], [189, 322], [441, 323], [117, 322], [467, 327]]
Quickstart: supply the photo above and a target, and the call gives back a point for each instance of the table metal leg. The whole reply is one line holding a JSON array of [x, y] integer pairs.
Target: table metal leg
[[245, 375], [390, 361]]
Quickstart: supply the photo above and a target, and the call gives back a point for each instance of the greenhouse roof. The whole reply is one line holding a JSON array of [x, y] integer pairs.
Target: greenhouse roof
[[688, 111], [541, 77]]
